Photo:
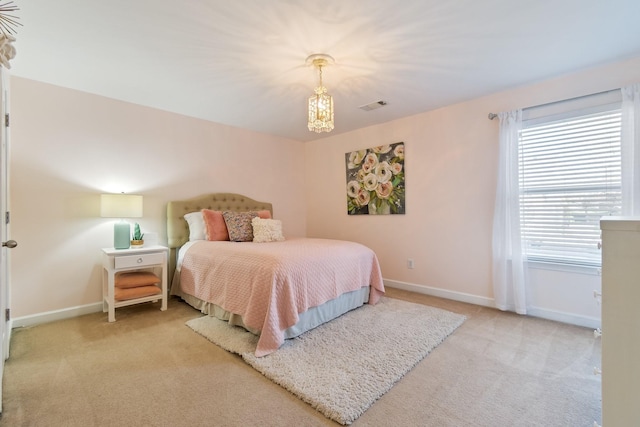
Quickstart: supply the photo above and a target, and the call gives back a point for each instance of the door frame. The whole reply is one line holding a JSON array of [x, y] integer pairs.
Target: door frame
[[5, 235]]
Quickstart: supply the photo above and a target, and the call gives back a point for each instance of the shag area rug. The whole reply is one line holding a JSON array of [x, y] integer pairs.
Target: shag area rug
[[342, 367]]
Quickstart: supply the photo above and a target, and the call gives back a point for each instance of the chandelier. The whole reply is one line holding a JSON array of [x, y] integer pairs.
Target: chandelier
[[321, 103]]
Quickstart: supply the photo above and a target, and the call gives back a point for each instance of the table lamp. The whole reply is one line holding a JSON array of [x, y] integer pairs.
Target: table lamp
[[121, 206]]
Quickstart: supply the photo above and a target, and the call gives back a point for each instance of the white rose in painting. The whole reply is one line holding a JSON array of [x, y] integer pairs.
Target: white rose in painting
[[381, 149], [384, 190], [399, 151], [370, 162], [355, 158], [352, 189], [383, 172], [396, 168], [361, 174], [370, 182]]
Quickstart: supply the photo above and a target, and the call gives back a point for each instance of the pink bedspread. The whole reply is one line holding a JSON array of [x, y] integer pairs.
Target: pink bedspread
[[270, 283]]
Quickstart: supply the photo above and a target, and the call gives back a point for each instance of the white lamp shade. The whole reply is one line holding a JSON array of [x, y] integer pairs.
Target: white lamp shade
[[120, 206]]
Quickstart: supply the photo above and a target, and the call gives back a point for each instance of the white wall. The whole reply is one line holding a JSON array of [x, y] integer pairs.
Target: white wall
[[450, 164], [68, 147]]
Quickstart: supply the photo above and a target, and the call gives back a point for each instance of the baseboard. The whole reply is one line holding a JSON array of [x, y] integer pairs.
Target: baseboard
[[570, 318], [558, 316], [543, 313], [442, 293], [50, 316]]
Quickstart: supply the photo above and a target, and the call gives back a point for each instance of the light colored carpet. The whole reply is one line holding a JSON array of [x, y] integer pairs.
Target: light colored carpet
[[341, 368], [149, 369]]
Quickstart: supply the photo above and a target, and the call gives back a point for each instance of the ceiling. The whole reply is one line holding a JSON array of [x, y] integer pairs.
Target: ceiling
[[242, 62]]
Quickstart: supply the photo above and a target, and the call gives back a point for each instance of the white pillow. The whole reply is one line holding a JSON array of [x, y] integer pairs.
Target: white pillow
[[197, 230], [267, 230]]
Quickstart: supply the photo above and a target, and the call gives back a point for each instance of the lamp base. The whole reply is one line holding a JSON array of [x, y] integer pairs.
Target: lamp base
[[121, 233]]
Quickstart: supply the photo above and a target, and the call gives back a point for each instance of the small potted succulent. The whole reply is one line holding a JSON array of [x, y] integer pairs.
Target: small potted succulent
[[136, 238]]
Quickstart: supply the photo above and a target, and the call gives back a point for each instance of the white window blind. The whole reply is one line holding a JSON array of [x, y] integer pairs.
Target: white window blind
[[569, 179]]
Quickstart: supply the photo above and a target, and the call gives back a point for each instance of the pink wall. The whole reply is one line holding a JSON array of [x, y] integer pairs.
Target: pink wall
[[451, 156], [68, 147], [449, 198]]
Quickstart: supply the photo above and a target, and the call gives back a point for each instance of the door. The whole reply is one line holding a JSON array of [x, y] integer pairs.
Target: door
[[5, 323]]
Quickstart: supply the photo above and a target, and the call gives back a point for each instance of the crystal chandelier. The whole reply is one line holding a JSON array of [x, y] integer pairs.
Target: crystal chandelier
[[321, 103]]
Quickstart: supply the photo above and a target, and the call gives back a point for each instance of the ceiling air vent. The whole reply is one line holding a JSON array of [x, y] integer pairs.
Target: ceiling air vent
[[373, 106]]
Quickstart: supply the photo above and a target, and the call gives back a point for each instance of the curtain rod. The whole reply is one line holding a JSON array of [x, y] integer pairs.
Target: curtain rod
[[492, 116]]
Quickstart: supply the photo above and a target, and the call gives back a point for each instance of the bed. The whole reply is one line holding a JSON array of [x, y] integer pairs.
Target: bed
[[276, 289]]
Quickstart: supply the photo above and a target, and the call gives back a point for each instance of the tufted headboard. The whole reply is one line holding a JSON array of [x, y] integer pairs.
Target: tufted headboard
[[177, 228]]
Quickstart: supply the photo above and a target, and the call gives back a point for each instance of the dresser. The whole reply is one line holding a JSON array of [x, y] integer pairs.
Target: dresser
[[620, 321]]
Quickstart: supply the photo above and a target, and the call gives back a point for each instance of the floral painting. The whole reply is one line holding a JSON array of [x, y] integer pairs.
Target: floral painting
[[375, 180]]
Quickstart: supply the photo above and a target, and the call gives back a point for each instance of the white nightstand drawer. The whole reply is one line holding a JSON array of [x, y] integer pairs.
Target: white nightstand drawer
[[138, 260]]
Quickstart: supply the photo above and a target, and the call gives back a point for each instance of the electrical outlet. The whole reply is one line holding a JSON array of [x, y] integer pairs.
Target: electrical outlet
[[410, 263]]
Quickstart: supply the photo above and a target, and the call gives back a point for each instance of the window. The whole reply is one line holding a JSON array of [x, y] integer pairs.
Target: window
[[569, 178]]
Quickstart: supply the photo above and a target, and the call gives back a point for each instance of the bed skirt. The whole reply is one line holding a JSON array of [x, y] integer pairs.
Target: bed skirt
[[308, 320]]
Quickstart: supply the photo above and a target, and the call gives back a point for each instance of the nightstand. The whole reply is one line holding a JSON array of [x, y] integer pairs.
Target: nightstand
[[114, 261]]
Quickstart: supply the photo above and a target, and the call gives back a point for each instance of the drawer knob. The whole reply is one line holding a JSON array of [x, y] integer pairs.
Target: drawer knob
[[139, 260]]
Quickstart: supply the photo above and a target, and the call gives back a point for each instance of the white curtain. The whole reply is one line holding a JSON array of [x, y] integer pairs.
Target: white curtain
[[630, 146], [509, 259]]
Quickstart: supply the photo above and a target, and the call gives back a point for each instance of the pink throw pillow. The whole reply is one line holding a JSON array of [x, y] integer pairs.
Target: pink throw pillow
[[215, 225], [264, 214]]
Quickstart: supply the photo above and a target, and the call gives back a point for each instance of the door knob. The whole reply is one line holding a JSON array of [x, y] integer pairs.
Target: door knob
[[10, 244]]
